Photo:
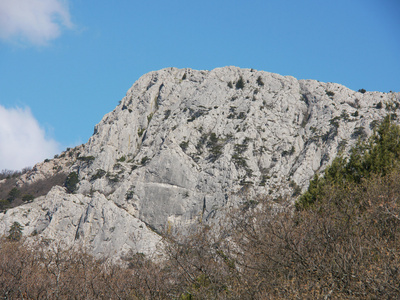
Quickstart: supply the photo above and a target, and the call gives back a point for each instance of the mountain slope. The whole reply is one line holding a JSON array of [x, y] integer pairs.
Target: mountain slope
[[183, 145]]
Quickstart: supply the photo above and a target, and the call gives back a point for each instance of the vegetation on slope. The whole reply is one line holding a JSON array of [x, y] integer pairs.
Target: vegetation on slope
[[12, 195], [379, 155]]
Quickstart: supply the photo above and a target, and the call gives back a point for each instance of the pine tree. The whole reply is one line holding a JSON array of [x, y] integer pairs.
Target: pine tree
[[15, 232]]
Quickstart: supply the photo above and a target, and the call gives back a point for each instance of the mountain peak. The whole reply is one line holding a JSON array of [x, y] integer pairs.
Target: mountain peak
[[183, 145]]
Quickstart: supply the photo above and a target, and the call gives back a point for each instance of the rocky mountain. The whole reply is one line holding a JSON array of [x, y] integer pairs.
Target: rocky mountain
[[184, 145]]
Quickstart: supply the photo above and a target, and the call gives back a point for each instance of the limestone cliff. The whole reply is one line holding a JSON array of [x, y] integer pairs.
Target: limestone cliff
[[183, 145]]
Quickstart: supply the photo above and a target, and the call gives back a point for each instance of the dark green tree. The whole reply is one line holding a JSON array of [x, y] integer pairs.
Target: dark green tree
[[240, 83], [71, 183], [13, 194], [15, 232]]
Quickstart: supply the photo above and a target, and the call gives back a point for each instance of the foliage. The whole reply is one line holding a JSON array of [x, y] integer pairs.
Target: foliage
[[184, 145], [99, 174], [347, 247], [7, 174], [27, 198], [71, 183], [359, 132], [378, 155], [28, 191], [87, 159], [4, 204], [330, 93], [362, 91], [215, 147], [129, 195], [341, 249], [343, 242], [296, 188], [149, 117], [122, 158], [112, 177], [260, 81], [140, 131], [167, 114], [15, 232], [144, 160], [54, 273], [13, 194], [240, 83]]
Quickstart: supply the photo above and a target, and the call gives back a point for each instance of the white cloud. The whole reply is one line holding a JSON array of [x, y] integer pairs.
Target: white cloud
[[37, 21], [23, 142]]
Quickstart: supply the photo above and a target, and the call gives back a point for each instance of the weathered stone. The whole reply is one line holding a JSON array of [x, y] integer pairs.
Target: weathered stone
[[176, 152]]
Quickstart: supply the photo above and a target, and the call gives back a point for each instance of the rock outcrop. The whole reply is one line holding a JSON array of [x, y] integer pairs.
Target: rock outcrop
[[183, 145]]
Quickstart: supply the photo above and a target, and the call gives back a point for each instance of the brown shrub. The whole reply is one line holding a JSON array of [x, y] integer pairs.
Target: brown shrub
[[345, 247]]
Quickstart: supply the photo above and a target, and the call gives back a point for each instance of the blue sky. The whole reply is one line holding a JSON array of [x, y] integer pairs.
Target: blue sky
[[66, 63]]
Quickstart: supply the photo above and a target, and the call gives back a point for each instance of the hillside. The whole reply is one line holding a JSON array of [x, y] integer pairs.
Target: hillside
[[183, 146]]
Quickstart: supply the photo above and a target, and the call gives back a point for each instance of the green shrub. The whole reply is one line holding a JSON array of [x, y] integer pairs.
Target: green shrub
[[71, 183], [296, 189], [99, 174], [330, 93], [4, 204], [13, 194], [149, 117], [184, 145], [239, 161], [240, 83], [362, 91], [359, 132], [15, 232], [113, 177], [241, 115], [167, 114], [144, 160], [140, 131], [260, 81], [129, 195], [215, 147], [87, 159], [27, 198], [121, 159]]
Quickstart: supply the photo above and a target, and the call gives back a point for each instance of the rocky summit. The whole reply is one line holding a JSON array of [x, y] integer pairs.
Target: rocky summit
[[183, 146]]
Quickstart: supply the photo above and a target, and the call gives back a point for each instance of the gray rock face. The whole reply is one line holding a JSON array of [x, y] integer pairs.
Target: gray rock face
[[93, 222], [182, 145]]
